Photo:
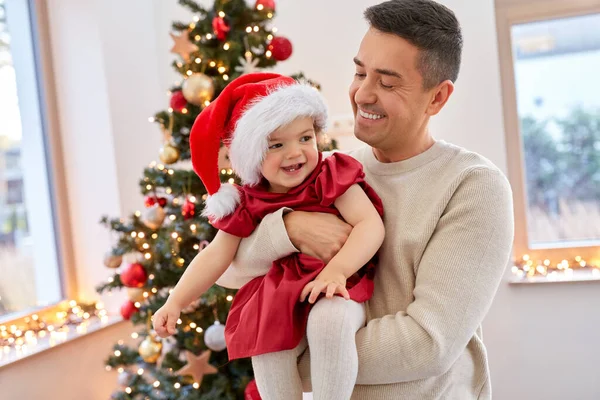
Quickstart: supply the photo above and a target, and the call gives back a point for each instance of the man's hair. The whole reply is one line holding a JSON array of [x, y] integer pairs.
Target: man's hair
[[427, 25]]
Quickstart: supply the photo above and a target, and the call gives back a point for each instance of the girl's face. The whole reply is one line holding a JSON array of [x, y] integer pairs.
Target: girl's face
[[292, 155]]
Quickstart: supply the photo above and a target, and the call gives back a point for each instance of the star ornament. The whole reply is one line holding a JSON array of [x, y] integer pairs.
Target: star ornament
[[197, 366], [183, 46]]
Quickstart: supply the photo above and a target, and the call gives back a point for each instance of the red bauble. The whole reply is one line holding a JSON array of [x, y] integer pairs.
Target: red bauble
[[188, 210], [251, 391], [281, 48], [220, 28], [134, 276], [152, 200], [178, 102], [267, 4], [128, 309]]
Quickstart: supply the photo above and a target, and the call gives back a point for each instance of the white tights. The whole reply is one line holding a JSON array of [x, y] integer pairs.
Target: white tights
[[330, 333]]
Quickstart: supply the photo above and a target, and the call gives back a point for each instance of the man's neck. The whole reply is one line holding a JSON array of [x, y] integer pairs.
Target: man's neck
[[404, 151]]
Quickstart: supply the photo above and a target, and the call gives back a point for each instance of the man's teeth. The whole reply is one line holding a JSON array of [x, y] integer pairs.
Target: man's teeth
[[369, 116]]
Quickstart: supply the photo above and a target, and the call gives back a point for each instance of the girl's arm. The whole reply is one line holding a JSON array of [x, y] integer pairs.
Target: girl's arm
[[204, 270], [362, 244]]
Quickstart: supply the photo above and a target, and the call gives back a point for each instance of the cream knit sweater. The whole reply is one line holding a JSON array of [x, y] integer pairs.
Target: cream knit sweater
[[449, 232]]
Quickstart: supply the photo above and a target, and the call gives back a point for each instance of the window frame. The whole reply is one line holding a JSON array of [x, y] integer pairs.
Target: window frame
[[508, 15], [36, 13]]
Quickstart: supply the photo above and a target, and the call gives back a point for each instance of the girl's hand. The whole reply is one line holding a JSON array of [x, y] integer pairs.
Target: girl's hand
[[165, 320], [328, 282]]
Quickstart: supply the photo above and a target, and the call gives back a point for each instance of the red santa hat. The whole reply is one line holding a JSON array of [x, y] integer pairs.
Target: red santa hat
[[246, 112]]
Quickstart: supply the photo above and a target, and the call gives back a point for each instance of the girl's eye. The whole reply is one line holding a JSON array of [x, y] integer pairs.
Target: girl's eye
[[306, 139], [275, 146]]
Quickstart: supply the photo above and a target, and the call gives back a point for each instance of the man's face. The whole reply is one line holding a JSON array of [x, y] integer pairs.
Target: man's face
[[389, 102]]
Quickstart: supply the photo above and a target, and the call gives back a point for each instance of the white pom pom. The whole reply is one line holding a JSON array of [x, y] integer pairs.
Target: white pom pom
[[222, 203]]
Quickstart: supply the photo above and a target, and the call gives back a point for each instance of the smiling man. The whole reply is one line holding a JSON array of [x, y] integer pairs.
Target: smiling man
[[448, 219]]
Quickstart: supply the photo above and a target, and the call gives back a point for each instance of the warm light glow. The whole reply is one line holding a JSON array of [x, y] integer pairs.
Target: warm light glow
[[270, 15], [156, 384], [256, 28], [198, 60], [151, 276], [260, 7], [140, 371], [199, 330], [147, 256], [229, 298], [174, 235], [197, 37], [208, 36], [221, 14], [222, 70], [128, 390], [117, 353], [268, 54], [226, 46], [134, 335], [193, 325], [225, 77], [249, 29], [196, 385], [212, 64], [189, 72], [526, 257], [154, 290]]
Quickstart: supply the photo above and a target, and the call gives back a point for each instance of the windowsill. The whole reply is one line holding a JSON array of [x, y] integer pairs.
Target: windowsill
[[9, 355], [576, 276]]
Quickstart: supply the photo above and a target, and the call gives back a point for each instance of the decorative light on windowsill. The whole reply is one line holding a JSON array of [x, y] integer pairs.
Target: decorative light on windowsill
[[54, 327], [544, 269]]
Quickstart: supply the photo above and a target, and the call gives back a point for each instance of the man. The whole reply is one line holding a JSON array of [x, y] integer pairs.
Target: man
[[448, 218]]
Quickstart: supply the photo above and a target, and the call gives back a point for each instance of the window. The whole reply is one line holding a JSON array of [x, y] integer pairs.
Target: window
[[29, 262], [549, 53], [556, 64]]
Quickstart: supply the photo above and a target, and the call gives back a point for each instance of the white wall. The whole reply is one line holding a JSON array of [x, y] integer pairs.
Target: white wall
[[123, 62]]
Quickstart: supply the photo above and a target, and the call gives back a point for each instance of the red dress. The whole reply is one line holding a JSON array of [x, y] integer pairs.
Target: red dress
[[266, 314]]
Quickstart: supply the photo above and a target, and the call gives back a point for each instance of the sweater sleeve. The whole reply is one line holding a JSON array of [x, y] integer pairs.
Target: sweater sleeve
[[256, 253], [456, 280]]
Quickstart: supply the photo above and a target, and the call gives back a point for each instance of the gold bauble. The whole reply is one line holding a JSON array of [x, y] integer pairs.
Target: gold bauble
[[168, 154], [154, 217], [198, 88], [135, 294], [111, 260], [150, 348]]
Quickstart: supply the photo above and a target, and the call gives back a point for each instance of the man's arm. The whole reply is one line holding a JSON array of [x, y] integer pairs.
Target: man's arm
[[256, 253], [456, 281]]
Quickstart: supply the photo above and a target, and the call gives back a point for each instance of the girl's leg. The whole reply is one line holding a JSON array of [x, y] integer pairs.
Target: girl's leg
[[277, 374], [331, 330]]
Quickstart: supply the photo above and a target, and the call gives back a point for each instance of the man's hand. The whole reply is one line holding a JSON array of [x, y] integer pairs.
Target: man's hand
[[319, 235]]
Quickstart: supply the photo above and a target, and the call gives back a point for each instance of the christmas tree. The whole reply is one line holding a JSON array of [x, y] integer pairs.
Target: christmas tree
[[222, 43]]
